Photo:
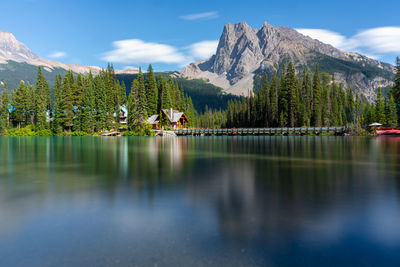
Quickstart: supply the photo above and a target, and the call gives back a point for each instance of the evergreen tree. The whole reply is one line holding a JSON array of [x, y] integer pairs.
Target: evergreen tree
[[42, 101], [316, 103], [141, 98], [4, 114], [89, 106], [133, 107], [58, 106], [291, 94], [391, 112], [68, 101], [274, 99], [151, 92], [380, 108]]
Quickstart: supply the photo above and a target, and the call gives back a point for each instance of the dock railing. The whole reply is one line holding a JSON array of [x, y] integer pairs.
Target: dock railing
[[339, 130]]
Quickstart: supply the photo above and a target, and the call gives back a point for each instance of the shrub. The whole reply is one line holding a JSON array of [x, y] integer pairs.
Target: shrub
[[143, 130]]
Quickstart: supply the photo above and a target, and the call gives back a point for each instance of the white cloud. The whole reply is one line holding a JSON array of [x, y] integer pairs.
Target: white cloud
[[135, 51], [382, 40], [330, 37], [198, 16], [203, 50], [58, 54]]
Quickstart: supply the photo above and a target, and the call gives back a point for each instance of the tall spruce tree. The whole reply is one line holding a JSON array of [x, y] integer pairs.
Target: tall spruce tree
[[57, 106], [391, 112], [316, 103], [42, 101], [68, 101], [4, 113], [89, 106], [151, 92], [291, 94], [141, 98], [380, 108]]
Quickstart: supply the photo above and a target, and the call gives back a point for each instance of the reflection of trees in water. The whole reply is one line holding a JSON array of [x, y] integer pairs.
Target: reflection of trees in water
[[73, 162], [272, 186], [259, 187]]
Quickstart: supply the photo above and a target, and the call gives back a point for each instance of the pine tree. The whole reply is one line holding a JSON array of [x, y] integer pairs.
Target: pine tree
[[89, 106], [291, 89], [274, 99], [391, 112], [42, 101], [380, 107], [133, 108], [151, 92], [77, 102], [123, 93], [141, 98], [57, 106], [68, 101], [316, 103], [4, 114], [166, 102]]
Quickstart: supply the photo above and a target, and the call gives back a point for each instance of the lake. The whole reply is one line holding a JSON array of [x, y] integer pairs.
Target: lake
[[199, 201]]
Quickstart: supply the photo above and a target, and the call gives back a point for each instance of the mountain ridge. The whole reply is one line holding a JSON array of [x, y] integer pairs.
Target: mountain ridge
[[18, 62], [244, 52]]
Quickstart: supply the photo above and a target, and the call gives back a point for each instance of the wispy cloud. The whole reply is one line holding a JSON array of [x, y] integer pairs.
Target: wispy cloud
[[57, 54], [382, 40], [136, 51], [201, 16], [203, 49], [329, 37]]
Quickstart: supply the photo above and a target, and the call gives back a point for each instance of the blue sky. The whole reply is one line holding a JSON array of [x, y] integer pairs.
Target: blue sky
[[169, 34]]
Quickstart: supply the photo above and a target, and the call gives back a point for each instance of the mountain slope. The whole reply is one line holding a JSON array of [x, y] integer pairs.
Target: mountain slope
[[244, 52], [18, 62]]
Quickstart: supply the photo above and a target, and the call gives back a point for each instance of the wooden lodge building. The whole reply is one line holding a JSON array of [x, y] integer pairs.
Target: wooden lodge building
[[171, 118]]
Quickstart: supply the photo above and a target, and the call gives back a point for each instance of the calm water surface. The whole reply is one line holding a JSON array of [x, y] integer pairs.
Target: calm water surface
[[219, 201]]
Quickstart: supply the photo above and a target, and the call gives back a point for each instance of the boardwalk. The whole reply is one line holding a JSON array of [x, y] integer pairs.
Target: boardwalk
[[263, 131]]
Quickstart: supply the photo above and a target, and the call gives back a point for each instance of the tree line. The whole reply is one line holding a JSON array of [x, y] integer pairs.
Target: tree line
[[89, 103], [306, 99]]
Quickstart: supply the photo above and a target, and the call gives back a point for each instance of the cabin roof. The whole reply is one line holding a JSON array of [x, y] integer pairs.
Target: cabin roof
[[173, 115], [153, 119]]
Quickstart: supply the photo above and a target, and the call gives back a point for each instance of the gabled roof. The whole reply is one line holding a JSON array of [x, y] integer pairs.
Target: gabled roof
[[153, 119], [173, 115]]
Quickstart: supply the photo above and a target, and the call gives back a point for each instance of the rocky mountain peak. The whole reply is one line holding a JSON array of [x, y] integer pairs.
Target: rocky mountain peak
[[244, 52], [12, 49]]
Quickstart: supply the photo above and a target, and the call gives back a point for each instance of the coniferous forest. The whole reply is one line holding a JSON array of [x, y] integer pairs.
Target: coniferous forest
[[87, 105], [306, 99]]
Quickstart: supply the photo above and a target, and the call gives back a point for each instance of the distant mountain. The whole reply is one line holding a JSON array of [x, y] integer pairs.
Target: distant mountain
[[18, 62], [244, 52]]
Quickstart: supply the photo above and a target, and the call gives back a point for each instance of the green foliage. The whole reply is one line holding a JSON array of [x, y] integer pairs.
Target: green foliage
[[28, 131], [4, 115], [142, 130]]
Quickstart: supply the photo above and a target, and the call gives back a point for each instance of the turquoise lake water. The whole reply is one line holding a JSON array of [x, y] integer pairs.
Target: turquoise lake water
[[199, 201]]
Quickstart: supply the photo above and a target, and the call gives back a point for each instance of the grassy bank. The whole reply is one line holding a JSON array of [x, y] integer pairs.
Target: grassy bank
[[30, 131]]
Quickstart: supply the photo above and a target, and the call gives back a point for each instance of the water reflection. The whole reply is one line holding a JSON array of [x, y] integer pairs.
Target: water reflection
[[212, 200]]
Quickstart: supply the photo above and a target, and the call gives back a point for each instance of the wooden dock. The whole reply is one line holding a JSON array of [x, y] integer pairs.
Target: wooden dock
[[263, 131], [113, 133]]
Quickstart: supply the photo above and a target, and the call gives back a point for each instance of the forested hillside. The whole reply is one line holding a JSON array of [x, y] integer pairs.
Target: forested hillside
[[203, 94]]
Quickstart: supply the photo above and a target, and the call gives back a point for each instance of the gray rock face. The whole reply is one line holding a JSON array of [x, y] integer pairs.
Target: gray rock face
[[13, 50], [243, 52]]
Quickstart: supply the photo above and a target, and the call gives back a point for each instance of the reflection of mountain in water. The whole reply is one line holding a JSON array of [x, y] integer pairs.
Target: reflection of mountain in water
[[239, 198]]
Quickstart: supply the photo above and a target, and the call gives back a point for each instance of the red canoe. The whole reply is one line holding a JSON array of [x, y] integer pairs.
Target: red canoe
[[388, 132]]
